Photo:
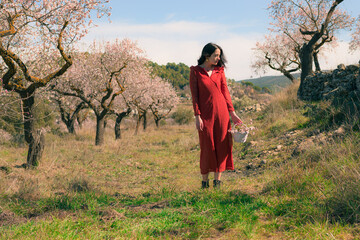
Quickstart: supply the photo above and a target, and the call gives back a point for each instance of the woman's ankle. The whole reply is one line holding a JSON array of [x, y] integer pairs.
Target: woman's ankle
[[217, 183], [205, 184]]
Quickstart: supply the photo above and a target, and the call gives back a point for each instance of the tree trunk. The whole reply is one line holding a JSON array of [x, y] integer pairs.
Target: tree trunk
[[100, 130], [316, 62], [70, 125], [118, 120], [36, 149], [157, 120], [289, 76], [144, 121], [306, 58], [80, 120], [137, 124], [308, 49], [35, 139], [117, 128]]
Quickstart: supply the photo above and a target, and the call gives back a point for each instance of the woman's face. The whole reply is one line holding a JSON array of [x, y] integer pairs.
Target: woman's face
[[215, 57]]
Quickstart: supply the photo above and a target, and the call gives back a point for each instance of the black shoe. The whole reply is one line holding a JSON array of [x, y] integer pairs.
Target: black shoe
[[205, 184], [217, 184]]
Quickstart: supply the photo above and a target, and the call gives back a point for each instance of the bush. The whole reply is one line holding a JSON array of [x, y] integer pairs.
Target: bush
[[183, 115], [344, 202], [10, 114], [243, 102]]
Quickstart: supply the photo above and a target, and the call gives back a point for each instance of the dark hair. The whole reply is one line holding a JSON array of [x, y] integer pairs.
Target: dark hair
[[208, 50]]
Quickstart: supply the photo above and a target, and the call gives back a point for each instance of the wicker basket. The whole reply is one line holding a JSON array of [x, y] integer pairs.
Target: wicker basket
[[240, 136]]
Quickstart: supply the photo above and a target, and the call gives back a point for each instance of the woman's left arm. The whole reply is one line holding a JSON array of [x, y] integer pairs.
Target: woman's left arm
[[226, 93]]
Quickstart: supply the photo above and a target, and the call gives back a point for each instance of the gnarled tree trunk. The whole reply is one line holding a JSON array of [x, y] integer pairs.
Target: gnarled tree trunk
[[34, 138], [119, 118], [306, 57], [100, 130]]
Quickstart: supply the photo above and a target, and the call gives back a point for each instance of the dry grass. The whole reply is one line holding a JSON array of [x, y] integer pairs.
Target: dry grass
[[132, 165], [147, 186]]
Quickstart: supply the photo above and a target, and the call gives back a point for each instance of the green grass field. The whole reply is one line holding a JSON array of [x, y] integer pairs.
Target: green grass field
[[148, 186]]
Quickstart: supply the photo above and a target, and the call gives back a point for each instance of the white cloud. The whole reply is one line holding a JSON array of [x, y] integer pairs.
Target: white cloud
[[339, 55], [182, 41]]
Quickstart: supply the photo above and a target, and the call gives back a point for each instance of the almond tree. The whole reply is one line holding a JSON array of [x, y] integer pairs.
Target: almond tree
[[317, 21], [99, 76], [300, 29], [69, 108], [277, 52], [164, 99], [120, 115], [138, 96], [355, 41], [28, 28]]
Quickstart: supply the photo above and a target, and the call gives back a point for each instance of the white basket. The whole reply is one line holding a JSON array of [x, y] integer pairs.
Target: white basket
[[240, 137]]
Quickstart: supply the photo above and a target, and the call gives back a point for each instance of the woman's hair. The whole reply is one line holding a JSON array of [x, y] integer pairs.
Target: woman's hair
[[208, 50]]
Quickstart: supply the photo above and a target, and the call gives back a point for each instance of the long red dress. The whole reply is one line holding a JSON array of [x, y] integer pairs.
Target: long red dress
[[211, 99]]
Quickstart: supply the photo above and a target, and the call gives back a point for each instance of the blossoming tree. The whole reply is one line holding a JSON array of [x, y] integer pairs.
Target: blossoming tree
[[310, 25], [99, 76], [277, 52], [28, 28], [163, 99], [69, 108], [355, 41]]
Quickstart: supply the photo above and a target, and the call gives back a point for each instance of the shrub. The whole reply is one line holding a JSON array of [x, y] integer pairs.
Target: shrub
[[79, 184], [183, 115]]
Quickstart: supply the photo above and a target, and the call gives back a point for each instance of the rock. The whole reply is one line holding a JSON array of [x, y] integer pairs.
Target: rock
[[352, 68], [341, 67], [250, 166], [321, 138], [278, 147], [257, 107], [253, 143], [4, 136], [343, 81], [303, 146], [340, 131]]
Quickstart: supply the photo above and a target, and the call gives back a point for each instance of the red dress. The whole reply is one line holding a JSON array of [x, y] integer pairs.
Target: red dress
[[211, 99]]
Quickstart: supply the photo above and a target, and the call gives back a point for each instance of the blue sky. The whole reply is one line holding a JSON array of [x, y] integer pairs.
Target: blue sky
[[176, 31]]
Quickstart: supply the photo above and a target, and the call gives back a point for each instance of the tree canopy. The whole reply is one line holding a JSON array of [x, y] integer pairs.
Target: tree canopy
[[176, 74]]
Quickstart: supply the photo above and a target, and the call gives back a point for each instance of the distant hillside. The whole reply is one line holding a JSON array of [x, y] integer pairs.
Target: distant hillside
[[275, 83], [176, 74]]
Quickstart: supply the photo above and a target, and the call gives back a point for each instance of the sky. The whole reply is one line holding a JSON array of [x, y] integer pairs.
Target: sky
[[176, 31]]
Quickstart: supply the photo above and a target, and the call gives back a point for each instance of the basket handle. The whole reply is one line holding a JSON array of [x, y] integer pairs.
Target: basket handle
[[240, 123]]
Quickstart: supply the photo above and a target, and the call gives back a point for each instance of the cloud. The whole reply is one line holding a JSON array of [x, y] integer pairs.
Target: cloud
[[333, 57], [182, 41]]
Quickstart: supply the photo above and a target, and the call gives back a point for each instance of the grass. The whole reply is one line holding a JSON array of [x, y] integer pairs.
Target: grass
[[148, 186]]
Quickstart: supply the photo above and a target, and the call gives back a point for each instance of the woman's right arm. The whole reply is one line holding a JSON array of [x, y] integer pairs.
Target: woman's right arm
[[195, 99]]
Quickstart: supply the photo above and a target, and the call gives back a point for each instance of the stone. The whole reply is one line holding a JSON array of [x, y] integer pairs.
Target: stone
[[303, 146], [340, 131], [257, 107], [341, 67], [343, 81], [352, 68]]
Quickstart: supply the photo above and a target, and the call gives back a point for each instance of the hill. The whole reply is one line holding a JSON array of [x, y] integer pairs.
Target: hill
[[274, 83], [176, 74]]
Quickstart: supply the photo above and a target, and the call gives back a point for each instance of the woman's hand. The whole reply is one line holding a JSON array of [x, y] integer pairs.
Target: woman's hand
[[199, 123], [236, 120]]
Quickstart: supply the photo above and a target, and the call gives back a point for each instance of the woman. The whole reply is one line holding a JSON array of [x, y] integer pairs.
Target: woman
[[212, 105]]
